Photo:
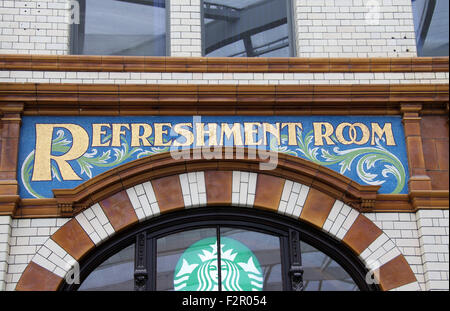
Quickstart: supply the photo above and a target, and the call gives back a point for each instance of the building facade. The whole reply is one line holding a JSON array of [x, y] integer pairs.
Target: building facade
[[305, 139]]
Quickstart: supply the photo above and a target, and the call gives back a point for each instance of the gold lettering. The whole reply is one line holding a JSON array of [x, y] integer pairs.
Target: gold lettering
[[292, 136], [235, 131], [249, 131], [42, 170], [319, 136], [178, 128], [117, 133], [159, 134], [274, 130], [352, 133], [137, 138], [387, 130], [97, 133], [212, 133]]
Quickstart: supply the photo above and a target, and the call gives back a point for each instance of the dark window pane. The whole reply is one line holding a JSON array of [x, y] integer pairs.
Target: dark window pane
[[249, 28], [321, 273], [253, 257], [122, 27], [187, 261], [431, 27], [114, 274]]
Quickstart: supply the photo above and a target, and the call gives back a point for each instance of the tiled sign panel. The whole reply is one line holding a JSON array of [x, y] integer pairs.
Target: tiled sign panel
[[63, 152]]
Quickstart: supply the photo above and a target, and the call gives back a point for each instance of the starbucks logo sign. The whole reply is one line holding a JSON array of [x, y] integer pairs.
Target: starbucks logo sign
[[197, 268]]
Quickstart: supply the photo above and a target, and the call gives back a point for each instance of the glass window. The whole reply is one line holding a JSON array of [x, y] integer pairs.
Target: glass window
[[114, 274], [219, 250], [172, 272], [321, 273], [266, 251], [431, 27], [121, 27], [246, 28], [188, 261]]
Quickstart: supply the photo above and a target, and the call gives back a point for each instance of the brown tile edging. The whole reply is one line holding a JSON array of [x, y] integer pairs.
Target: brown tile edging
[[268, 191], [37, 278], [168, 193], [106, 99], [119, 210], [218, 187], [317, 207], [220, 64], [361, 234], [395, 273], [159, 167], [73, 239]]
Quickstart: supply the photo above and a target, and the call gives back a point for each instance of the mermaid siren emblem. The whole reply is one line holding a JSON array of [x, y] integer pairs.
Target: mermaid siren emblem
[[197, 269]]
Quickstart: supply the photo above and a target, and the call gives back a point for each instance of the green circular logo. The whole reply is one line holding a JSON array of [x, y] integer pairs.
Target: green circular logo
[[197, 269]]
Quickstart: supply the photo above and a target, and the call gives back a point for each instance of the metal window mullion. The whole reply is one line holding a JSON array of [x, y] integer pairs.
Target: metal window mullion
[[140, 266], [296, 268]]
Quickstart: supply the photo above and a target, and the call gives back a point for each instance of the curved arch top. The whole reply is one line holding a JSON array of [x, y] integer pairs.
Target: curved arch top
[[162, 165], [150, 187]]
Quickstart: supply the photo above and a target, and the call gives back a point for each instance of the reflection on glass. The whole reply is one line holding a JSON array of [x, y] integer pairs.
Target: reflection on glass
[[114, 274], [246, 28], [260, 259], [188, 261], [431, 27], [175, 274], [321, 273], [122, 27]]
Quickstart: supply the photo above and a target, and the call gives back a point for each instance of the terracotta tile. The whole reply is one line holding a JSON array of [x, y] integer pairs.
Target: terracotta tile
[[268, 191], [429, 153], [435, 126], [380, 64], [403, 64], [439, 179], [395, 273], [412, 128], [258, 64], [422, 64], [73, 239], [8, 154], [361, 234], [37, 278], [360, 65], [119, 211], [440, 64], [415, 153], [442, 148], [319, 64], [317, 207], [218, 187], [339, 65], [297, 64], [168, 193]]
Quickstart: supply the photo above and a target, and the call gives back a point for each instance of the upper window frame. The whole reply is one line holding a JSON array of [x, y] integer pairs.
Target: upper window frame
[[76, 31], [290, 25]]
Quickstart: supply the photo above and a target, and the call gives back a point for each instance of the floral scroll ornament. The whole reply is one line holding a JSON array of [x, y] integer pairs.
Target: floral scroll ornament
[[88, 162], [365, 158]]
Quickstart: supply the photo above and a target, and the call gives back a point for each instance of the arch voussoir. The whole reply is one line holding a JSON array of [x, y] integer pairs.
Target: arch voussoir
[[148, 193]]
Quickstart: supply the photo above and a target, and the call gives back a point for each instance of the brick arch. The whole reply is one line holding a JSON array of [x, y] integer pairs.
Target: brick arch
[[148, 187]]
